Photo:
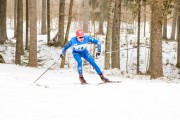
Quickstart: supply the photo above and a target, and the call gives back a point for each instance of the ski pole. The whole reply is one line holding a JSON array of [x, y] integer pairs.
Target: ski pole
[[46, 70]]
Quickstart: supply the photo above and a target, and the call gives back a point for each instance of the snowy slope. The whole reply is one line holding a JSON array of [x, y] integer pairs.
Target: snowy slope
[[62, 98]]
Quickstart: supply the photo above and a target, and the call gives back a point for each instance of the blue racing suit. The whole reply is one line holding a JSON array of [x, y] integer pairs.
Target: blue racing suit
[[80, 50]]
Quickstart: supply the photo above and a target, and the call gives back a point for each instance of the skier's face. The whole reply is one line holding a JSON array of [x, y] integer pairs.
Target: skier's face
[[80, 38]]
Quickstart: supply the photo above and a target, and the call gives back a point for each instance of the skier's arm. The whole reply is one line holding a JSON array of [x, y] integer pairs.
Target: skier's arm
[[66, 47], [95, 41]]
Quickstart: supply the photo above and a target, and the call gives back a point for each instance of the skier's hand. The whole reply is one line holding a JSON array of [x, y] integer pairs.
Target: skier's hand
[[98, 54], [61, 55]]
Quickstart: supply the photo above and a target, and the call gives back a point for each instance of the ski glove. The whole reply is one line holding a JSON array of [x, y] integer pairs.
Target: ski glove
[[98, 54], [61, 55]]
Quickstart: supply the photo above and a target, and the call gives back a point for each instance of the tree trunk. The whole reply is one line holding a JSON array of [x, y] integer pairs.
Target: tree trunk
[[178, 37], [67, 31], [109, 35], [33, 34], [174, 23], [149, 56], [19, 39], [138, 36], [156, 40], [2, 59], [116, 36], [101, 17], [86, 15], [48, 22], [144, 19], [3, 31], [61, 24], [165, 28], [21, 42], [15, 18], [27, 25], [43, 17]]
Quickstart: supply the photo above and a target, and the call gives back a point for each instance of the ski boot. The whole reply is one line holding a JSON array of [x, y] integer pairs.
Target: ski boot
[[105, 80], [82, 80]]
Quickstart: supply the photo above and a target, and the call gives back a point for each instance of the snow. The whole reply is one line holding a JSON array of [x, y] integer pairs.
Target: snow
[[57, 95], [61, 97]]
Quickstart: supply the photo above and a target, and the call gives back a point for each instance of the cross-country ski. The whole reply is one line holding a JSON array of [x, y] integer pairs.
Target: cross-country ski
[[100, 83]]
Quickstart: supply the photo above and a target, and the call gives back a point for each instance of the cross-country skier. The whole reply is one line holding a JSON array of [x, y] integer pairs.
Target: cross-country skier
[[79, 44]]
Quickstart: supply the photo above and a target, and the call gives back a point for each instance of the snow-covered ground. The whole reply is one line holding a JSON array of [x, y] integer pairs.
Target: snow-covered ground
[[57, 95], [61, 97]]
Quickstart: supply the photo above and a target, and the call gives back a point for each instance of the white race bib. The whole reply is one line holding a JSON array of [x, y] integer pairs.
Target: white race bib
[[79, 48]]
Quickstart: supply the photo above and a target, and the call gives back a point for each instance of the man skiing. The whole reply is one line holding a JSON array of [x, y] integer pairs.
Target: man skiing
[[79, 44]]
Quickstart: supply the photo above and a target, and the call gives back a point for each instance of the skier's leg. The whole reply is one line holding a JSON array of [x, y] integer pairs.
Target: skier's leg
[[90, 59], [77, 57]]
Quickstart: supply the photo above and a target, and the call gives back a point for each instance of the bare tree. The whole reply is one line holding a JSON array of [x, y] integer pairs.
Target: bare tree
[[33, 34]]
